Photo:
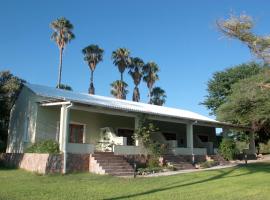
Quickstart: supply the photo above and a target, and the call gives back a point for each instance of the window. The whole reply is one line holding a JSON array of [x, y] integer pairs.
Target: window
[[76, 132], [128, 133]]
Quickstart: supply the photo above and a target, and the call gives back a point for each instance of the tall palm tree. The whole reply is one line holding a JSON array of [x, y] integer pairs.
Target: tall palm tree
[[136, 72], [119, 89], [93, 54], [62, 35], [150, 76], [158, 96], [121, 59]]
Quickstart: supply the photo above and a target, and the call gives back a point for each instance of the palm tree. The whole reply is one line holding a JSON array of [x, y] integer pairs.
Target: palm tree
[[150, 71], [119, 89], [93, 54], [121, 59], [158, 96], [135, 71], [62, 35]]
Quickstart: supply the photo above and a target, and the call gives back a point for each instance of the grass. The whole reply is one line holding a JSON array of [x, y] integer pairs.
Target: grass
[[250, 182]]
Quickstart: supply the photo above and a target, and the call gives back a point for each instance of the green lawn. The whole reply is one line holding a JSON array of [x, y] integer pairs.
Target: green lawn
[[251, 182]]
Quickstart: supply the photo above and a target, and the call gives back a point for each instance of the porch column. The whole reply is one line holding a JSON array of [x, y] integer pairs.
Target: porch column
[[61, 129], [135, 128], [252, 147], [64, 132], [189, 133]]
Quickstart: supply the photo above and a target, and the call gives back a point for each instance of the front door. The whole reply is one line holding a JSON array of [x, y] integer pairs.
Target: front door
[[76, 133]]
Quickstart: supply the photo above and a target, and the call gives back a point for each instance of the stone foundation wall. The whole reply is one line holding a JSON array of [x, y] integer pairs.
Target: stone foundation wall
[[78, 162], [45, 163]]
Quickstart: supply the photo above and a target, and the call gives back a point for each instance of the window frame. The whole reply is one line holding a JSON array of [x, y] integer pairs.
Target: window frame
[[84, 130]]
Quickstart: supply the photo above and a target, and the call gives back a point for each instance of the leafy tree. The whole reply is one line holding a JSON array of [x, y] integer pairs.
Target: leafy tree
[[143, 133], [249, 105], [158, 96], [65, 87], [241, 28], [119, 89], [93, 54], [150, 71], [219, 86], [62, 35], [10, 87], [136, 72]]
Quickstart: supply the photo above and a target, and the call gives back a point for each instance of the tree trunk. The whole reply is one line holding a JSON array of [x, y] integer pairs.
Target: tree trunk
[[91, 88], [60, 68], [149, 94], [136, 94]]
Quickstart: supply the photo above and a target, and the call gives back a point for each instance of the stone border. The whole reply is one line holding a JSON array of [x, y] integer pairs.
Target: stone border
[[45, 163]]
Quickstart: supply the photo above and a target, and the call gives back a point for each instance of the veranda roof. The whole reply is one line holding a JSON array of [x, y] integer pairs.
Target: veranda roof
[[118, 104]]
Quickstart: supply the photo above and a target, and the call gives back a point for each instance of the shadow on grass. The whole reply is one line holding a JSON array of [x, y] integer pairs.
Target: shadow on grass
[[250, 168]]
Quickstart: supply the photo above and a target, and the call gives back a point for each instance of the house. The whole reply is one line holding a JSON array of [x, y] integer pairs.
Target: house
[[84, 124]]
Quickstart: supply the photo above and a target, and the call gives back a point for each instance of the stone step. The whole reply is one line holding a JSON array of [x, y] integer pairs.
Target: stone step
[[113, 164], [116, 167], [110, 161]]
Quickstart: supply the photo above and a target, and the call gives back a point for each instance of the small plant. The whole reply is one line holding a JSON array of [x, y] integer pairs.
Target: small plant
[[46, 146], [228, 149]]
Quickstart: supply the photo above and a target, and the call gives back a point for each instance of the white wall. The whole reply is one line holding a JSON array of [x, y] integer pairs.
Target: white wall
[[22, 125]]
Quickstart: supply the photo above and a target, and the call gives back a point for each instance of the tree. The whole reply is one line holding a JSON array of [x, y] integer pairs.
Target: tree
[[93, 54], [62, 35], [249, 105], [10, 87], [121, 59], [219, 86], [65, 87], [136, 72], [241, 28], [119, 89], [150, 76], [158, 96]]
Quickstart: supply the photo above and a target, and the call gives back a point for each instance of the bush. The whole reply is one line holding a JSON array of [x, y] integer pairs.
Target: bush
[[46, 146], [227, 149], [149, 170], [265, 148], [153, 162], [208, 164]]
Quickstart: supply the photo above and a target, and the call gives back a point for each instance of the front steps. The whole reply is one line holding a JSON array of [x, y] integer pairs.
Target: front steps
[[179, 162], [108, 163]]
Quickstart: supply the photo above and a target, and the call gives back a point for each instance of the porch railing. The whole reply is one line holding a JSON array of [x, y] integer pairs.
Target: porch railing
[[80, 148]]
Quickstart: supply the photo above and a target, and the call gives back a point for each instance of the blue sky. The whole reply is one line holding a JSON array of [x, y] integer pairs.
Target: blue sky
[[180, 36]]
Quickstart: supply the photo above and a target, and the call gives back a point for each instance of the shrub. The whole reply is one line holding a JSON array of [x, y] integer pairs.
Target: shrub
[[153, 162], [46, 146], [228, 149], [149, 170], [208, 164], [265, 148]]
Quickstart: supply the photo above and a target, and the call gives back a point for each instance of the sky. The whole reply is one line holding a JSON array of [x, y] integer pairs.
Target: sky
[[180, 36]]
